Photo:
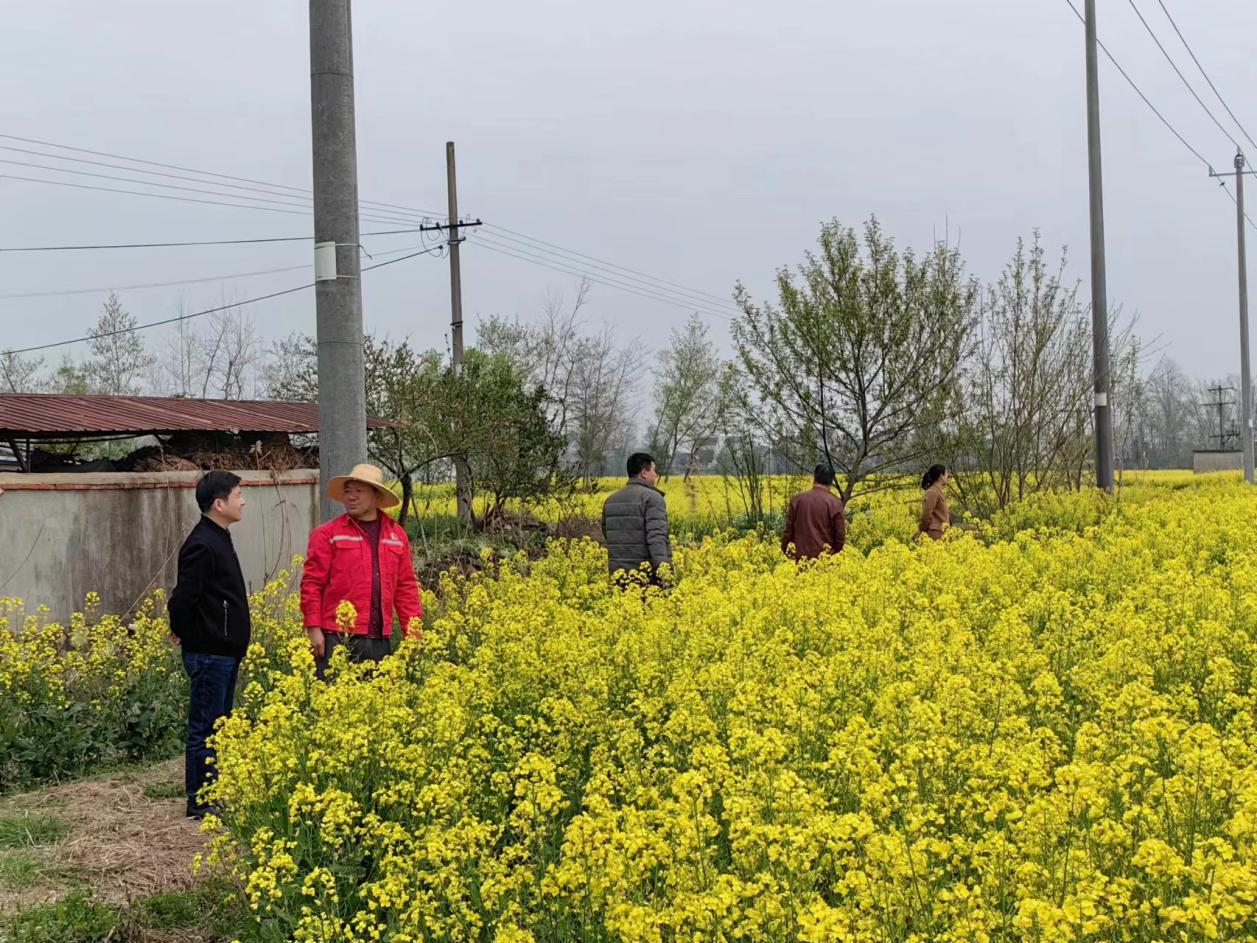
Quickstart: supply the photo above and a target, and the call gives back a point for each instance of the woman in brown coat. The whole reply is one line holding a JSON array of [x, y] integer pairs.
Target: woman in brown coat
[[934, 513]]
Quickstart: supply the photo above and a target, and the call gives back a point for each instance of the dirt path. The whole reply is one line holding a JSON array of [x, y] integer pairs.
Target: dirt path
[[125, 837]]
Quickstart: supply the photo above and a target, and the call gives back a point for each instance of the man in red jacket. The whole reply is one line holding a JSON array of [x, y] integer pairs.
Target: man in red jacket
[[361, 557]]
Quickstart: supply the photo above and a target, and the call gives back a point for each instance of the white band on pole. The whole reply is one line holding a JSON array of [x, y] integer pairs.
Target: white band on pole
[[324, 261]]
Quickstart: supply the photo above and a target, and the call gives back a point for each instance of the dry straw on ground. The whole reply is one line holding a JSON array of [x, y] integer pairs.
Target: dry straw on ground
[[120, 843]]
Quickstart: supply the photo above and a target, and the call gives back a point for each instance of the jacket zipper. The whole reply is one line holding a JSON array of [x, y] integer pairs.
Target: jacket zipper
[[224, 618]]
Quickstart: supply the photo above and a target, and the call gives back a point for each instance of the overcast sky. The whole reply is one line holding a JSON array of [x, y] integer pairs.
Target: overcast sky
[[697, 142]]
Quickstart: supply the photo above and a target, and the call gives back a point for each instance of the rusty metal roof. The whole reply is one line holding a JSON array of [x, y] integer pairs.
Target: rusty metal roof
[[64, 414]]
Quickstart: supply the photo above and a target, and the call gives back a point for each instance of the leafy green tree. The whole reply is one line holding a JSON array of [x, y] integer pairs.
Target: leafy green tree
[[856, 360], [500, 422], [490, 415]]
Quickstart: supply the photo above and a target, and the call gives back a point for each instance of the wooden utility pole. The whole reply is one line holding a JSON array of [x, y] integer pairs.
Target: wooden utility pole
[[462, 471]]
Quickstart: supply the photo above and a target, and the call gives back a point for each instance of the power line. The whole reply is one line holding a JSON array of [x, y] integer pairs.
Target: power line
[[174, 320], [1153, 107], [644, 282], [1180, 74], [414, 251], [597, 278], [390, 213], [1222, 184], [146, 183], [207, 311], [249, 200], [184, 281], [169, 245], [137, 160], [154, 245], [182, 199], [1186, 46], [602, 263], [1139, 92], [192, 170], [574, 268], [135, 170], [157, 196]]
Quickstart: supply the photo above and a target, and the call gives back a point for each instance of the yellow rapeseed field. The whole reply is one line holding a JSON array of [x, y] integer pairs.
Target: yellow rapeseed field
[[1041, 730]]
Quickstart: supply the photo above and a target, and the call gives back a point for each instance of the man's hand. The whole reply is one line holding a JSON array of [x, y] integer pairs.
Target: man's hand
[[174, 640], [316, 641]]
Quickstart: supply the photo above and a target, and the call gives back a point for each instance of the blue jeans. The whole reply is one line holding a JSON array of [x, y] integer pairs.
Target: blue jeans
[[213, 690]]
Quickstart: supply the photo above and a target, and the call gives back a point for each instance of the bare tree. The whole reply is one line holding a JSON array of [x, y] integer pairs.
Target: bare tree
[[543, 352], [20, 374], [600, 384], [1170, 409], [1025, 401], [232, 355], [119, 360], [586, 379], [689, 407], [290, 369], [222, 358], [180, 363]]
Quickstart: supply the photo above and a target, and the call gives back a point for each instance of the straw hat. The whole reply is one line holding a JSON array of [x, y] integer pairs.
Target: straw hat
[[367, 475]]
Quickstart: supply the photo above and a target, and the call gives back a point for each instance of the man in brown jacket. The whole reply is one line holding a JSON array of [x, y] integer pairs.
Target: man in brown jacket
[[815, 523]]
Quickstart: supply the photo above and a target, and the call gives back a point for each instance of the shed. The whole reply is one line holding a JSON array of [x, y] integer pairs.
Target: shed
[[31, 420]]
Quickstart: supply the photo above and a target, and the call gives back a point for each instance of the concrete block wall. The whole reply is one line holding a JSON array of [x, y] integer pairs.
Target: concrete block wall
[[1205, 461], [65, 535]]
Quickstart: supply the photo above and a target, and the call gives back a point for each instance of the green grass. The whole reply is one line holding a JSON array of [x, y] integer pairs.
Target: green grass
[[211, 909], [161, 790], [20, 869], [76, 918], [213, 905], [27, 830]]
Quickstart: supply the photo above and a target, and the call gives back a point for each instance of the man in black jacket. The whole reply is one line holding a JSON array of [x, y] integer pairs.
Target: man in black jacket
[[209, 616]]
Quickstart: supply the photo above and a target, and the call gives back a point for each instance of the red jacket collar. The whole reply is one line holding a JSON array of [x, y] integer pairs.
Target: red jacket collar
[[348, 524]]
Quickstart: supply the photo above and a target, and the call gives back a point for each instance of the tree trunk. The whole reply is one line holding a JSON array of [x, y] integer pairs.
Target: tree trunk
[[408, 497]]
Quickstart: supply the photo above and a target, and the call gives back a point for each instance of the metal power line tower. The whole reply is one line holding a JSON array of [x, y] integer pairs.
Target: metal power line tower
[[1225, 436], [1099, 299], [337, 270], [1246, 385]]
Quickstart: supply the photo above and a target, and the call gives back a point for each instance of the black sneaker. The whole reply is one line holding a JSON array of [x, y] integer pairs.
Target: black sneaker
[[199, 812]]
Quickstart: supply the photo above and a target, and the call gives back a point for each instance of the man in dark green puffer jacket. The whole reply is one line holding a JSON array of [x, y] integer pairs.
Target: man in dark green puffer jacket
[[635, 523]]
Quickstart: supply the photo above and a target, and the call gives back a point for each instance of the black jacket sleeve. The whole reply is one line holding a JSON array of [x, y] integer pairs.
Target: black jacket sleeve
[[195, 563]]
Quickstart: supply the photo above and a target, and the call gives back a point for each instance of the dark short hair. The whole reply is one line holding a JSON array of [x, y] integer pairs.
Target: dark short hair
[[638, 462], [932, 474], [214, 485], [824, 475]]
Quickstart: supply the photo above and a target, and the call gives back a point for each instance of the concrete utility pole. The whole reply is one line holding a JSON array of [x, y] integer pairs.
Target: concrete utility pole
[[1099, 291], [1246, 385], [462, 472], [337, 272]]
